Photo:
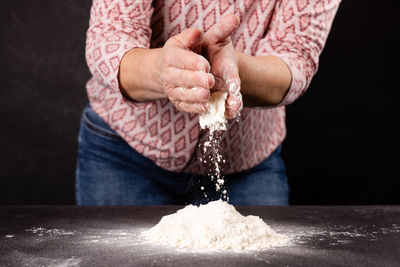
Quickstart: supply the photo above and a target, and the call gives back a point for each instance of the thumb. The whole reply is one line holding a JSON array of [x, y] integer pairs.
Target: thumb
[[190, 38], [221, 30]]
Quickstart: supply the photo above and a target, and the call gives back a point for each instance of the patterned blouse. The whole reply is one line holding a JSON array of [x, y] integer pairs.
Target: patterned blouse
[[293, 30]]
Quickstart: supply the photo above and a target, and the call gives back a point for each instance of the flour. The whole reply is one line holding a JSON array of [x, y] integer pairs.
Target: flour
[[215, 158], [216, 226], [215, 119], [40, 231]]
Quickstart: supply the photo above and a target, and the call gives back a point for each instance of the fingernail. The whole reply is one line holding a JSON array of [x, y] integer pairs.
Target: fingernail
[[201, 67], [203, 64], [211, 80], [203, 107], [203, 78]]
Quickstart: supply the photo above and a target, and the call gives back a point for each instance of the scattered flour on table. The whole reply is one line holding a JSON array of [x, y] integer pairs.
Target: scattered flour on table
[[216, 226], [40, 231]]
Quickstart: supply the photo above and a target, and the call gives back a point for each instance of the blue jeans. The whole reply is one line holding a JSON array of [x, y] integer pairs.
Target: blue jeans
[[110, 172]]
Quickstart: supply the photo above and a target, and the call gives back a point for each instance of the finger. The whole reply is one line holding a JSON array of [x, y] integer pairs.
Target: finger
[[187, 78], [219, 84], [190, 107], [190, 38], [192, 95], [185, 59], [230, 75], [233, 105], [232, 85], [222, 30]]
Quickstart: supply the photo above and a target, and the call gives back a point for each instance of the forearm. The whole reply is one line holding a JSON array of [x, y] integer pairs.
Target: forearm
[[265, 80], [137, 76]]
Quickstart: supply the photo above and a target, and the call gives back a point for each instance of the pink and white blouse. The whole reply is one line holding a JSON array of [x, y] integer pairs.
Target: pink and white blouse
[[294, 30]]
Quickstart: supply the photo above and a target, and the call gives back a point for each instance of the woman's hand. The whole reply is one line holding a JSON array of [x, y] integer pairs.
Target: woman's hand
[[183, 74], [176, 72], [218, 49]]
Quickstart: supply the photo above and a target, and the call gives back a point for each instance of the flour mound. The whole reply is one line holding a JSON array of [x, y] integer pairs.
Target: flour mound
[[214, 119], [216, 226]]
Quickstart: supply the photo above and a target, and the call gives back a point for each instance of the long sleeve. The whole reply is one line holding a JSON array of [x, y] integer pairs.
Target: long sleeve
[[114, 28], [297, 34]]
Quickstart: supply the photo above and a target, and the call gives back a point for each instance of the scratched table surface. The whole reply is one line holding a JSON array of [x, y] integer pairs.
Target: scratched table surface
[[111, 236]]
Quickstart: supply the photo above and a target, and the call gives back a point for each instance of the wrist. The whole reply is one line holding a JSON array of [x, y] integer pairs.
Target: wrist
[[151, 65]]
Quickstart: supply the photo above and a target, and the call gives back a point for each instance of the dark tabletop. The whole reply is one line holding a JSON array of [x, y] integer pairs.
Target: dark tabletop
[[110, 236]]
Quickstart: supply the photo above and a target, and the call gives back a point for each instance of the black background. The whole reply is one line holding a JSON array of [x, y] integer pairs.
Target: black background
[[341, 146]]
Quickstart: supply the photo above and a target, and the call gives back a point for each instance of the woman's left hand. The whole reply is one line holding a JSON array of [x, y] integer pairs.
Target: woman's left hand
[[218, 49]]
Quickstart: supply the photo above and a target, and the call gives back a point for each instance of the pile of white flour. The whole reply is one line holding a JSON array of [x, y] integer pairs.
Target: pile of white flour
[[214, 227]]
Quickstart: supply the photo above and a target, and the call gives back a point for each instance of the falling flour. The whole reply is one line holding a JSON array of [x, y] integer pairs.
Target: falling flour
[[214, 120], [216, 226]]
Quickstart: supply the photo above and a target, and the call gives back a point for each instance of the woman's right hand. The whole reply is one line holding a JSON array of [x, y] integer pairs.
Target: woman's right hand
[[183, 74]]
